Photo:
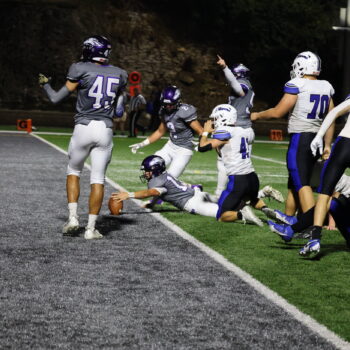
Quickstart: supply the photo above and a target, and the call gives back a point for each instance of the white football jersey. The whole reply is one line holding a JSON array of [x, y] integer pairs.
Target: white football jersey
[[312, 104], [236, 154]]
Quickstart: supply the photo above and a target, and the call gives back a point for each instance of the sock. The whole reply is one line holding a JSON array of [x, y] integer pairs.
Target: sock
[[316, 232], [92, 221], [304, 221], [72, 207], [239, 215]]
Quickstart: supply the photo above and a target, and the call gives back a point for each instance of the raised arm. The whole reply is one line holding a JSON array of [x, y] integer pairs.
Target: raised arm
[[231, 79]]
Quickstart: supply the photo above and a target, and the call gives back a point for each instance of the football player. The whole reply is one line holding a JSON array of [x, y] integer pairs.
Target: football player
[[162, 184], [233, 143], [332, 171], [99, 86], [307, 100], [241, 98], [180, 119]]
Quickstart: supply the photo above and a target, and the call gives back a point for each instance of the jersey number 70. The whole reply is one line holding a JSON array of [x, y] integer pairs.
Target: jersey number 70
[[318, 100]]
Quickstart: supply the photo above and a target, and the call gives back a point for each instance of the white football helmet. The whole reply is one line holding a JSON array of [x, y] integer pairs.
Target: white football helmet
[[224, 115], [306, 63]]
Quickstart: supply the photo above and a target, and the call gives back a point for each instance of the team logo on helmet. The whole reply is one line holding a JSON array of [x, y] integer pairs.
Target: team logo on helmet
[[224, 115], [152, 166]]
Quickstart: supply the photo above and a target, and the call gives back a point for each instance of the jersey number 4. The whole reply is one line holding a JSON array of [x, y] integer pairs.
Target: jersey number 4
[[244, 148], [103, 90], [319, 101]]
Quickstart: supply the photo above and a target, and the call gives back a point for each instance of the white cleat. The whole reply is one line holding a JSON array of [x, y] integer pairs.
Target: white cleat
[[249, 216], [71, 226], [271, 192], [92, 233]]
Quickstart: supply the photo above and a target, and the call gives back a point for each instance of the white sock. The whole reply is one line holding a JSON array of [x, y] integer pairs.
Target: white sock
[[72, 207], [92, 221]]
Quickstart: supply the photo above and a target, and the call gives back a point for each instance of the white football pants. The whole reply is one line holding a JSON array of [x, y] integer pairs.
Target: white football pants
[[95, 140], [177, 157], [199, 204]]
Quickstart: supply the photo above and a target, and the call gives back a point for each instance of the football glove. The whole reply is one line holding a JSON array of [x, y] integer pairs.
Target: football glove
[[43, 79], [137, 146], [317, 145]]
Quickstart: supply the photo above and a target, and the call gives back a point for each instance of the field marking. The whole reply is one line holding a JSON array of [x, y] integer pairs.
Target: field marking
[[275, 298], [269, 160]]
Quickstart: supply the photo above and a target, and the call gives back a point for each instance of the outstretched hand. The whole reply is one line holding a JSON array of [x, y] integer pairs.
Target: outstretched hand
[[120, 196], [221, 62]]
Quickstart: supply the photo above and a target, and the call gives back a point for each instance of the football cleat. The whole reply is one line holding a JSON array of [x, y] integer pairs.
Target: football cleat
[[92, 233], [286, 219], [311, 249], [250, 217], [270, 213], [271, 192], [284, 231], [71, 226]]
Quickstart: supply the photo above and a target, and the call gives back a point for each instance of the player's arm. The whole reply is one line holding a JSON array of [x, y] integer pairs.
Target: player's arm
[[286, 103], [206, 144], [317, 142], [122, 196], [231, 79], [196, 126], [56, 96], [150, 139], [328, 137]]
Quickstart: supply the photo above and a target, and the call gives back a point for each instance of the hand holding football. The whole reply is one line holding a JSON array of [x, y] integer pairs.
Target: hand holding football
[[114, 206]]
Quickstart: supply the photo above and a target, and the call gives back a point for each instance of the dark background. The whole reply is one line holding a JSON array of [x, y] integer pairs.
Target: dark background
[[168, 42]]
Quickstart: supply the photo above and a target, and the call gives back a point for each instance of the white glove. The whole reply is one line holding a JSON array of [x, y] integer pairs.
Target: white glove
[[317, 144], [137, 146]]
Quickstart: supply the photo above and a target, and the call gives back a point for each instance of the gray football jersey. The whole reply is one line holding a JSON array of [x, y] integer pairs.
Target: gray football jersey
[[177, 193], [98, 87], [181, 133], [243, 104]]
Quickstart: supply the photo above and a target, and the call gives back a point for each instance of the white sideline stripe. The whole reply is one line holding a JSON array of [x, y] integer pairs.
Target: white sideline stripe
[[275, 298], [270, 160]]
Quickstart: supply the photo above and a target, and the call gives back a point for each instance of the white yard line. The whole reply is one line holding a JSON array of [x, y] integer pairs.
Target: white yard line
[[305, 319]]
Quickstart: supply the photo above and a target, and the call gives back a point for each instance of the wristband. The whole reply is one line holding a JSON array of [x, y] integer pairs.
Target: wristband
[[145, 142], [131, 194], [205, 133]]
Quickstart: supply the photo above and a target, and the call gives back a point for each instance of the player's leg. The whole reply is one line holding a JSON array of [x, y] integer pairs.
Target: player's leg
[[100, 158], [180, 158], [199, 204], [340, 209], [332, 171], [78, 151], [232, 205], [300, 163], [222, 178]]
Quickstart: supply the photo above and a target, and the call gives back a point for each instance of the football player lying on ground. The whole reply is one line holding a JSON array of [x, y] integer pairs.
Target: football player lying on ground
[[233, 143], [171, 190], [338, 206]]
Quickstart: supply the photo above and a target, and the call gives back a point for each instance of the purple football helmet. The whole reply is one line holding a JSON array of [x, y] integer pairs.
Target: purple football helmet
[[170, 99], [96, 48], [240, 71], [152, 164]]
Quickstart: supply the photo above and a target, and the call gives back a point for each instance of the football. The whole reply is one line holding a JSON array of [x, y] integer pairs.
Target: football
[[114, 206]]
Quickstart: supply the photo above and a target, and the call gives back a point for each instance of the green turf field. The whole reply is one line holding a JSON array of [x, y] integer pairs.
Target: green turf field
[[319, 288]]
